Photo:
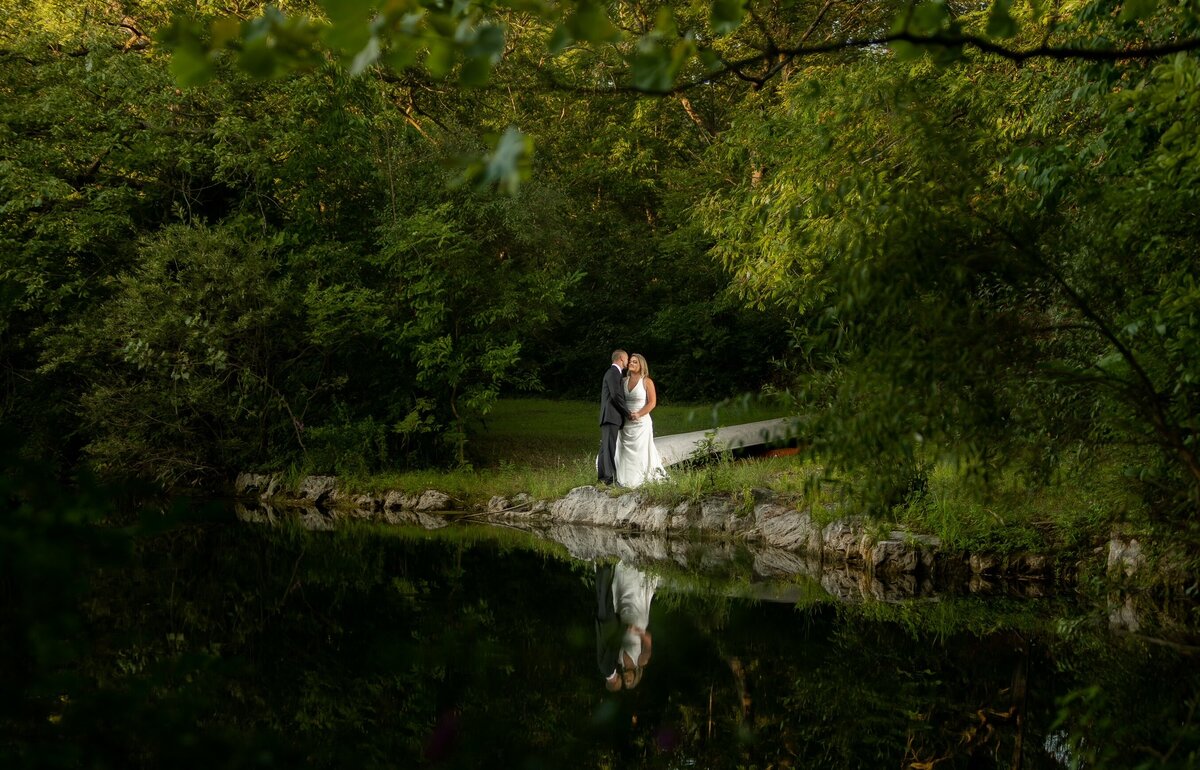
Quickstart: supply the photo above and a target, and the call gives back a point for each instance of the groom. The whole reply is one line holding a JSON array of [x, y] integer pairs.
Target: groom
[[613, 415]]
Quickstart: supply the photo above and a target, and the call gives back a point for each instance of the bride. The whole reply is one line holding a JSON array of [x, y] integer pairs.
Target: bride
[[637, 458]]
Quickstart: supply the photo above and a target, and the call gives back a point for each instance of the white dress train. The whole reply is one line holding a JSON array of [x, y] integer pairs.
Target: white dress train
[[637, 458]]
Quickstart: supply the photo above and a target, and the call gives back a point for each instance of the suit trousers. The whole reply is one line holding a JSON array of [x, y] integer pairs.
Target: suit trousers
[[606, 466]]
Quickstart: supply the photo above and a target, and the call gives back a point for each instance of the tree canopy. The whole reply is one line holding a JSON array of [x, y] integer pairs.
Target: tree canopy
[[331, 233]]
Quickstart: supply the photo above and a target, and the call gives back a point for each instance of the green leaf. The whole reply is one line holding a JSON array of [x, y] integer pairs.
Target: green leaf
[[348, 38], [590, 23], [366, 57], [726, 15], [560, 39], [487, 44], [440, 59], [664, 22], [1138, 9], [506, 166], [1000, 21], [906, 51], [190, 66], [257, 58], [402, 55], [929, 17], [352, 11], [475, 72], [651, 66], [224, 30]]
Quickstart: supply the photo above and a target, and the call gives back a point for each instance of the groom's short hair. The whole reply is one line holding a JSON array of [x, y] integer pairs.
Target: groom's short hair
[[617, 355]]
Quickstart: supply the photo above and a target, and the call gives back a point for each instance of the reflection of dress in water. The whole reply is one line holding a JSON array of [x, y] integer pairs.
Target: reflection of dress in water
[[637, 458], [632, 592], [608, 623]]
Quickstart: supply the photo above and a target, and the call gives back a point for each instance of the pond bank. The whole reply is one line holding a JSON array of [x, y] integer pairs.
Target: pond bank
[[759, 518]]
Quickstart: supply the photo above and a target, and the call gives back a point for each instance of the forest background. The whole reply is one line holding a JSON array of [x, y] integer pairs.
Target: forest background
[[238, 236]]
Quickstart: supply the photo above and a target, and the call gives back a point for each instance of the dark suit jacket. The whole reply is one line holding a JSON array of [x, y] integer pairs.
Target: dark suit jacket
[[612, 399]]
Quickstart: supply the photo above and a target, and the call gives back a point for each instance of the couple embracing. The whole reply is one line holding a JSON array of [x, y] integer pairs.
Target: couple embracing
[[628, 456]]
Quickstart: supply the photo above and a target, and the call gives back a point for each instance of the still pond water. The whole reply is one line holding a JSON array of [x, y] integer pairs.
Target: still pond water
[[476, 646]]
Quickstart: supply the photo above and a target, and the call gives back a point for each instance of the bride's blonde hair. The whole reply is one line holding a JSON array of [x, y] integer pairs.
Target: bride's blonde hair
[[642, 360]]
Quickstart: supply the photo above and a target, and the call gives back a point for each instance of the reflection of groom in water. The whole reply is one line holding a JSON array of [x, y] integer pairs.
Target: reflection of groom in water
[[613, 415], [623, 641], [608, 629]]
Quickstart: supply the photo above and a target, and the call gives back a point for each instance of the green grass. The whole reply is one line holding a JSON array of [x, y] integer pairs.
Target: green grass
[[542, 433], [545, 448], [1073, 512]]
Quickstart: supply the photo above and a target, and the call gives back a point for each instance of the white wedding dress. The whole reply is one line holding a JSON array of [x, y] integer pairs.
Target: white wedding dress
[[637, 458], [633, 591]]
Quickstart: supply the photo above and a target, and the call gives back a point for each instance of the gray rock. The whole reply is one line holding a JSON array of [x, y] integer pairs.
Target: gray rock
[[409, 518], [715, 515], [312, 519], [428, 521], [433, 500], [496, 504], [317, 488], [893, 557], [251, 514], [985, 563], [777, 562], [247, 484], [398, 501], [1033, 565], [680, 516], [1125, 555], [367, 503], [785, 527], [845, 539], [585, 505]]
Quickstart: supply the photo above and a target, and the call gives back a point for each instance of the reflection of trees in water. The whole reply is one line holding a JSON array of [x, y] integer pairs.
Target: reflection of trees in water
[[210, 644]]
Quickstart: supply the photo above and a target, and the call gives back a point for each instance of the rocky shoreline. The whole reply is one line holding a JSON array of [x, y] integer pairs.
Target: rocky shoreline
[[761, 520]]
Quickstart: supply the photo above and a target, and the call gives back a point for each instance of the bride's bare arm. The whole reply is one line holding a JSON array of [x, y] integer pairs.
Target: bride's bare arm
[[651, 398]]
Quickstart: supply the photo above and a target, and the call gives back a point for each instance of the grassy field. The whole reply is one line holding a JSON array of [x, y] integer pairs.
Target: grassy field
[[541, 433]]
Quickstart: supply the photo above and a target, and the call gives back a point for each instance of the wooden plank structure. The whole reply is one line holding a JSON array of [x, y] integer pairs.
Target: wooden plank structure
[[683, 446]]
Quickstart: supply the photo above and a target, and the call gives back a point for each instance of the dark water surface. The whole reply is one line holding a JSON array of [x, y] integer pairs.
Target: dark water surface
[[477, 647]]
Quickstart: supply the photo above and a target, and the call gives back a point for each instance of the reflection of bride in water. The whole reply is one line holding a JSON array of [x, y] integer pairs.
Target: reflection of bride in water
[[623, 641]]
